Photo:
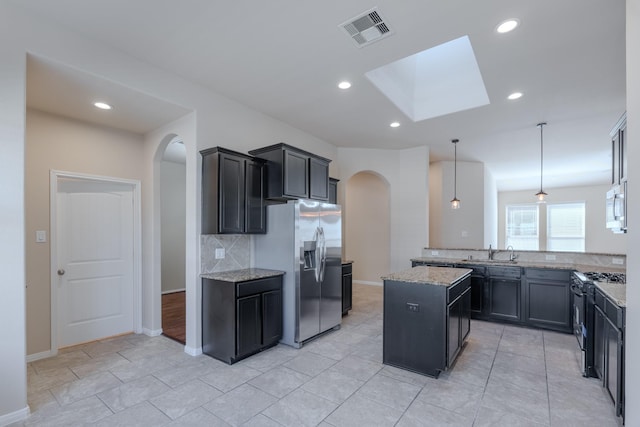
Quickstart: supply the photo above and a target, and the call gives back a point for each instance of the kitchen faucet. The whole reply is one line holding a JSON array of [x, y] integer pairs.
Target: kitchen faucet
[[491, 252], [512, 255]]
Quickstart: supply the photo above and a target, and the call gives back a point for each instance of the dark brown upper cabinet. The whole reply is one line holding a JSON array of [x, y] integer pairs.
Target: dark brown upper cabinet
[[233, 187], [293, 173]]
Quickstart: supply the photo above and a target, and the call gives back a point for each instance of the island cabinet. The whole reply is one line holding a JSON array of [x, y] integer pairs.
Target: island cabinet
[[426, 318], [241, 313], [233, 199], [548, 298], [294, 174]]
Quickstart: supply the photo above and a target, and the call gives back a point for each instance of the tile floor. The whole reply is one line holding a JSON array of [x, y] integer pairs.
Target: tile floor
[[506, 376]]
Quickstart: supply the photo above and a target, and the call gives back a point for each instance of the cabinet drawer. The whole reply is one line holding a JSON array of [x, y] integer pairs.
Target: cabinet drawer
[[457, 289], [614, 313], [258, 286], [508, 272], [547, 274]]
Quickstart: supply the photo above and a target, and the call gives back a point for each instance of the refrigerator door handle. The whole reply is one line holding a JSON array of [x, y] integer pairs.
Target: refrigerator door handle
[[317, 254], [323, 254]]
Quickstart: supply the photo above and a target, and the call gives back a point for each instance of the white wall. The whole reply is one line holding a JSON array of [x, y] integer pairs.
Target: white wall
[[367, 227], [173, 182], [13, 387], [598, 238], [490, 211], [632, 340], [406, 171], [461, 228]]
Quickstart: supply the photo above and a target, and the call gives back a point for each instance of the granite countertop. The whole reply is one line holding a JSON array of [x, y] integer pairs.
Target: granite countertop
[[617, 292], [443, 276], [242, 275], [517, 263], [347, 261]]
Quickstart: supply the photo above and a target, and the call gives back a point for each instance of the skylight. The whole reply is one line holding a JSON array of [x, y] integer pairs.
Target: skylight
[[442, 80]]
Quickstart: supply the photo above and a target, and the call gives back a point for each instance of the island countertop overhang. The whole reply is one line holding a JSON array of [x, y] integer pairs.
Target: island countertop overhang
[[441, 276]]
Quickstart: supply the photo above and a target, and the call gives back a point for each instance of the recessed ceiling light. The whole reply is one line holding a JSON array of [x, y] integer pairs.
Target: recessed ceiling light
[[395, 124], [102, 105], [344, 85], [508, 25], [514, 95]]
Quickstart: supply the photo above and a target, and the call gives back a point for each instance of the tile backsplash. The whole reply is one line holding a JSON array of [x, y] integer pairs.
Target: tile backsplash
[[237, 252]]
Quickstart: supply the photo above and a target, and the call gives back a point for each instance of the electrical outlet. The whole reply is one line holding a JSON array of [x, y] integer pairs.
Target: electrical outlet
[[413, 307], [219, 253], [464, 233], [617, 261], [550, 257], [435, 253]]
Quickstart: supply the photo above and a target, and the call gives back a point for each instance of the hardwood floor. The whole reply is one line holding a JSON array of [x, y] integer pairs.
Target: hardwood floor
[[174, 316]]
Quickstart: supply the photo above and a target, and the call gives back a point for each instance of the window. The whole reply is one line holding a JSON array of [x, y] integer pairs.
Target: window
[[565, 227], [522, 227]]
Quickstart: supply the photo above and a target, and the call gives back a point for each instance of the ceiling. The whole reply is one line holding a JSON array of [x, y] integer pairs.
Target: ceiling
[[285, 58]]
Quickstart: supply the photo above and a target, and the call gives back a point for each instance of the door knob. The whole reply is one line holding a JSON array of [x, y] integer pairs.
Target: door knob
[[61, 272]]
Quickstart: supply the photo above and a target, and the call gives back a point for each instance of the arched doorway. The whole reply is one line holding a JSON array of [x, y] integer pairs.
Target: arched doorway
[[173, 239], [367, 226]]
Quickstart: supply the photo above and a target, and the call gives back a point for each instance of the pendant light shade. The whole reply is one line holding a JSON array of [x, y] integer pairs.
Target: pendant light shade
[[541, 194], [455, 202]]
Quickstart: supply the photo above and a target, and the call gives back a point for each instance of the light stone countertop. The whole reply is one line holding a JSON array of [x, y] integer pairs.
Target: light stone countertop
[[518, 263], [617, 292], [242, 275], [443, 276]]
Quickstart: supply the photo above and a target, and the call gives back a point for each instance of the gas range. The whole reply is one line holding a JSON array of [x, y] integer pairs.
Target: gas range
[[606, 277], [583, 289], [584, 282]]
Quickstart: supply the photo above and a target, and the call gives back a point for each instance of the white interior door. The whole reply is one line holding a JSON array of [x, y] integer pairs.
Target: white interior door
[[95, 259]]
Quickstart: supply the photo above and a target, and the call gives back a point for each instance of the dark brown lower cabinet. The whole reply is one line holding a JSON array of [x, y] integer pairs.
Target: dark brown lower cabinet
[[459, 324], [425, 325], [609, 358], [240, 318], [347, 287]]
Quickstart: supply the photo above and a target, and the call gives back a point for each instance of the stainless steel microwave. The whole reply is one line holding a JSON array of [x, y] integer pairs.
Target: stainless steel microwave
[[617, 208]]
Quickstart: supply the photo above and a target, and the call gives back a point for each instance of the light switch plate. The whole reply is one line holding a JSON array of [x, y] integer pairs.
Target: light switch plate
[[219, 253], [41, 236]]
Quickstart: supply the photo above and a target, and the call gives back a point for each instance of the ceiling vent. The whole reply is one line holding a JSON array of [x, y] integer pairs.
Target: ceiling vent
[[366, 28]]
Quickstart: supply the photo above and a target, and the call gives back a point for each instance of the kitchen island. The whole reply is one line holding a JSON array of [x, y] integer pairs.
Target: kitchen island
[[427, 318]]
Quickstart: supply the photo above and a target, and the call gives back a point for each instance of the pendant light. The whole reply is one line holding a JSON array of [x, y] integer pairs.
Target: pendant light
[[455, 203], [541, 194]]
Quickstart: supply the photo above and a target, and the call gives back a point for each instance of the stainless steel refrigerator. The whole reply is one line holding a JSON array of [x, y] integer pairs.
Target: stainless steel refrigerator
[[304, 239]]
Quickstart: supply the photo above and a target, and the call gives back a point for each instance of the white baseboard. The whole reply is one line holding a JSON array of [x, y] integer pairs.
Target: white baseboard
[[173, 291], [364, 282], [41, 355], [14, 417], [152, 333], [192, 351]]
